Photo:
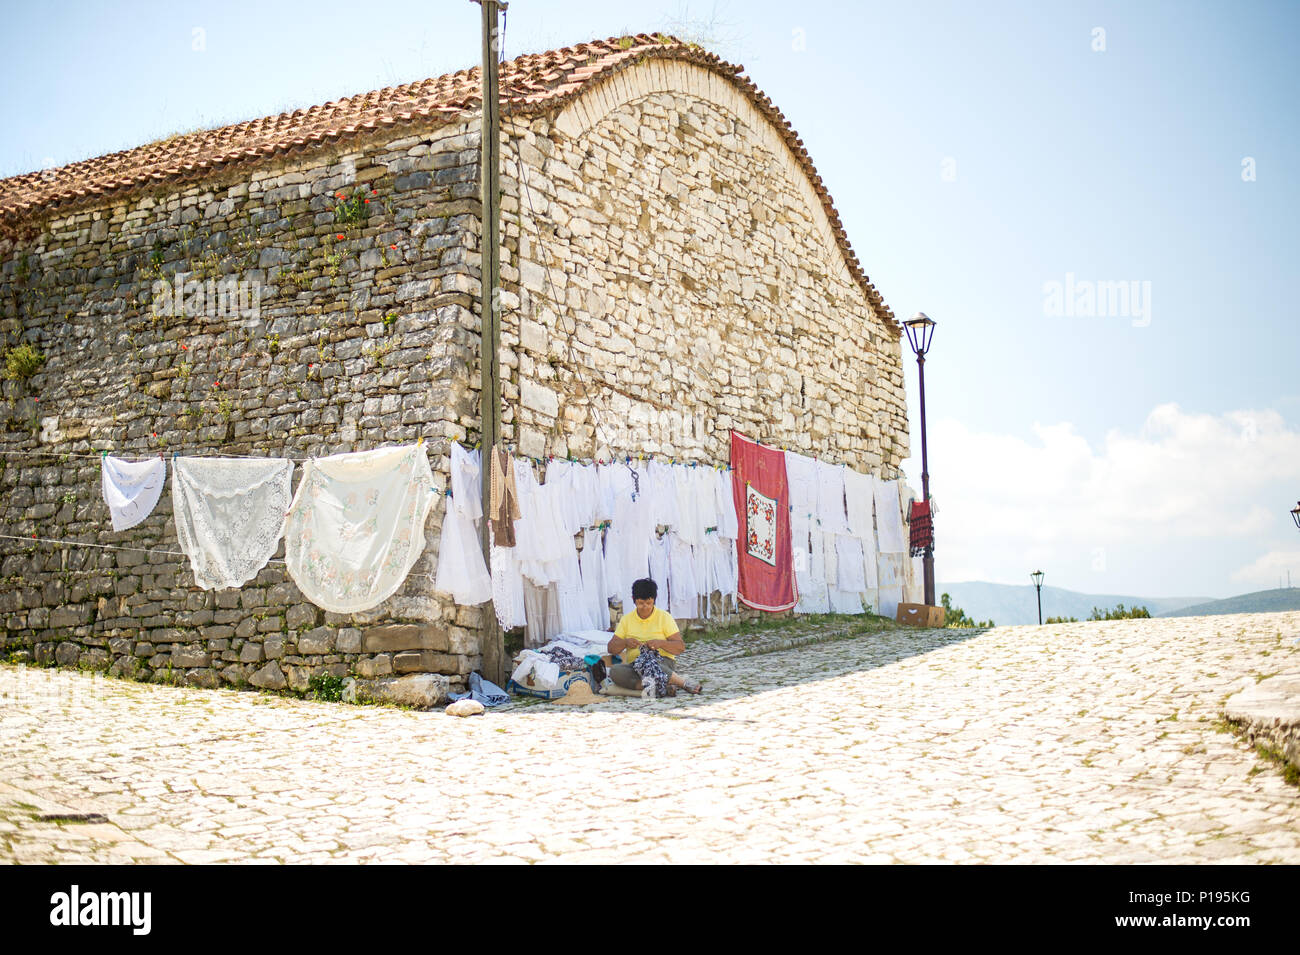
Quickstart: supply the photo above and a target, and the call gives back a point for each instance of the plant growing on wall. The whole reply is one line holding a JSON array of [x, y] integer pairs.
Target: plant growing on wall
[[23, 361], [352, 211]]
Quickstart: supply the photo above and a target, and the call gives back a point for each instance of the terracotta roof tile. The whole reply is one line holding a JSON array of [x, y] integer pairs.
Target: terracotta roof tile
[[529, 84]]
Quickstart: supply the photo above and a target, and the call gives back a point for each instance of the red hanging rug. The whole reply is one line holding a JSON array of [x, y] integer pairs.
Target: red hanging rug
[[764, 549]]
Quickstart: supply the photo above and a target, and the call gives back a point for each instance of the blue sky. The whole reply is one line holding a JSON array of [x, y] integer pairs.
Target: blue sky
[[976, 153]]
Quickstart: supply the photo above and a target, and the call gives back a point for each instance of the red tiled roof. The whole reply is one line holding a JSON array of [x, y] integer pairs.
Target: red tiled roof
[[532, 83]]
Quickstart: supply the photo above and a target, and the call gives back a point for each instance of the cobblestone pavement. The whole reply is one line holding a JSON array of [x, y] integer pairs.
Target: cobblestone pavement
[[1089, 742]]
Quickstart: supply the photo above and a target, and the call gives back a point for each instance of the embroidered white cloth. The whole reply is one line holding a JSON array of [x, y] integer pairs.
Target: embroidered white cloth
[[889, 519], [131, 488], [761, 542], [356, 526], [229, 515]]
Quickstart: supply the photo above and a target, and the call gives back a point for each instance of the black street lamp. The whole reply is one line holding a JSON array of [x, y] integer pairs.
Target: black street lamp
[[1037, 577], [1295, 514], [920, 330]]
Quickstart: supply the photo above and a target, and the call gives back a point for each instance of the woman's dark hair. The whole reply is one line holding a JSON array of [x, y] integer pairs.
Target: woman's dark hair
[[645, 589]]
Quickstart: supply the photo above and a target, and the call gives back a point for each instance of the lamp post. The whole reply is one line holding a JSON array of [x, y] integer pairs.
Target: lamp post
[[1295, 514], [1037, 577], [920, 330]]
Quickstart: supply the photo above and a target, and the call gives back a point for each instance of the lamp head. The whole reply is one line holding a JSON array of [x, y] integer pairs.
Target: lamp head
[[1295, 514], [1037, 577], [920, 329]]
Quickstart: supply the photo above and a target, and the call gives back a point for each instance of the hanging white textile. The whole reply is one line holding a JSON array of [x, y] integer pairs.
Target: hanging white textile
[[852, 569], [690, 523], [914, 581], [659, 565], [830, 498], [575, 612], [631, 530], [817, 597], [730, 565], [229, 515], [356, 527], [664, 484], [893, 579], [706, 496], [466, 481], [889, 598], [592, 563], [728, 522], [859, 497], [801, 477], [131, 488], [507, 587], [683, 594], [803, 578], [889, 518], [461, 571]]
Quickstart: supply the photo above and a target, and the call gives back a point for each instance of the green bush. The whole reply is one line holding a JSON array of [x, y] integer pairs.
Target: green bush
[[23, 361], [326, 687], [956, 618], [1120, 613]]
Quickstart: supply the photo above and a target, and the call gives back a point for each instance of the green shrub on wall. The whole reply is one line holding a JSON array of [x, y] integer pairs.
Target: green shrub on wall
[[22, 361]]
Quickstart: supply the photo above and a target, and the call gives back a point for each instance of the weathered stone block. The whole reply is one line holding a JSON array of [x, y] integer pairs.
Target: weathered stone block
[[250, 652], [203, 677], [66, 653], [190, 655], [348, 640], [425, 661], [381, 665], [269, 677], [273, 647], [320, 640], [401, 636], [69, 616], [419, 690], [302, 615]]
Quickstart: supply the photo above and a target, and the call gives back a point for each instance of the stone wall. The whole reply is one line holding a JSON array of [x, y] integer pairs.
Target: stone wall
[[356, 329], [668, 271], [677, 277]]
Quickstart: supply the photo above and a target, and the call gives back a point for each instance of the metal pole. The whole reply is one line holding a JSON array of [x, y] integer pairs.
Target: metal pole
[[493, 643], [927, 562], [1039, 588]]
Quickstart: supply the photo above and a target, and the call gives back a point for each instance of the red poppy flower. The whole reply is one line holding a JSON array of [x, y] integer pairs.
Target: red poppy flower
[[374, 192], [217, 384], [367, 202], [339, 194], [339, 236], [393, 247], [185, 348]]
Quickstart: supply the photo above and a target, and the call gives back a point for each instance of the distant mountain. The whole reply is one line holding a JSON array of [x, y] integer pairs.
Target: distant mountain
[[1011, 604], [1261, 601]]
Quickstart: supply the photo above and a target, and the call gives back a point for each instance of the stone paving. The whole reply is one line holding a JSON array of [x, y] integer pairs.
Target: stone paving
[[1088, 742]]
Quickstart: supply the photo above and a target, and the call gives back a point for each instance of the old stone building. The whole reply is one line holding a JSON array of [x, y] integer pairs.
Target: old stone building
[[308, 284]]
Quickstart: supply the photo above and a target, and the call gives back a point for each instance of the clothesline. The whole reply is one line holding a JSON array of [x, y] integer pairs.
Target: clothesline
[[143, 550], [211, 453]]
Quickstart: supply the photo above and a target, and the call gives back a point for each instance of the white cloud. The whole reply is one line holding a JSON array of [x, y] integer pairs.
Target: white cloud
[[1264, 573], [1161, 510]]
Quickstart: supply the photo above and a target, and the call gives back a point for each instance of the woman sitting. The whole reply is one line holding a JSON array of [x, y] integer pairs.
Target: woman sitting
[[655, 634]]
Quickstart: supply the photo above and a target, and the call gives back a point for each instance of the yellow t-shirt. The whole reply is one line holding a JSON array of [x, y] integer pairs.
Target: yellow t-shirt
[[658, 626]]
